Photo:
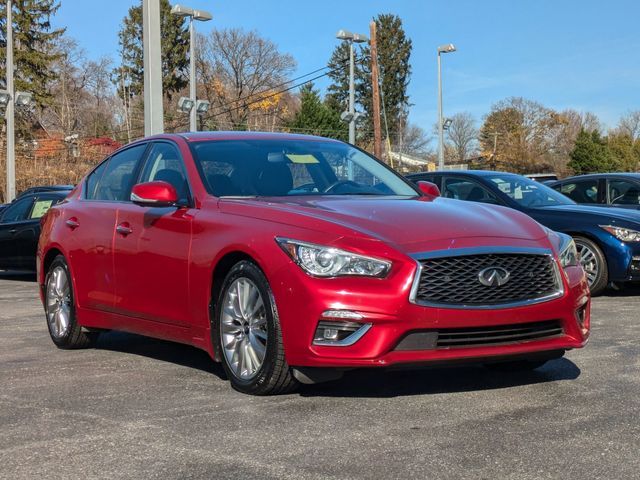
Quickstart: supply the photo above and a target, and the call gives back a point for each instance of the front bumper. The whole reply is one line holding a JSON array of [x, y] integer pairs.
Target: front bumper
[[623, 260], [301, 301]]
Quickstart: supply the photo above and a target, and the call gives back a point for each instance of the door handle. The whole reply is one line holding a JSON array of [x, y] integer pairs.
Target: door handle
[[124, 229], [72, 223], [13, 231]]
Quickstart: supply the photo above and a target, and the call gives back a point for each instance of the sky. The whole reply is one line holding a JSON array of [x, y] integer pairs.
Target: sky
[[581, 54]]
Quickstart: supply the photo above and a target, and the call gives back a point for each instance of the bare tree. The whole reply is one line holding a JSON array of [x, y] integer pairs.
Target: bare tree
[[630, 124], [415, 141], [239, 69], [563, 137], [462, 136], [526, 135]]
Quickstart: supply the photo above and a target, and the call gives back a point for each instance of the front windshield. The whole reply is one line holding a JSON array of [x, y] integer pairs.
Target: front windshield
[[529, 193], [258, 167]]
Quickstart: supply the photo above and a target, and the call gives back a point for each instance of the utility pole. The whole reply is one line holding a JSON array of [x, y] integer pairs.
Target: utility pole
[[10, 110], [153, 114], [377, 134]]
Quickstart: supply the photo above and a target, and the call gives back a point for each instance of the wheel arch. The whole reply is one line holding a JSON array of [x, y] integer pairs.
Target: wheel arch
[[594, 239]]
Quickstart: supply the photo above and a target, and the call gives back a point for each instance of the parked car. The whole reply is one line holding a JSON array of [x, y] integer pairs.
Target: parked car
[[605, 189], [39, 189], [20, 229], [292, 258], [608, 239]]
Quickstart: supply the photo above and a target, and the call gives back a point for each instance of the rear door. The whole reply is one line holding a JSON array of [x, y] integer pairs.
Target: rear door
[[91, 222], [151, 246], [12, 223]]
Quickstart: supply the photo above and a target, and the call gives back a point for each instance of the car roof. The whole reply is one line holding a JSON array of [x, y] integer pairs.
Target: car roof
[[243, 135], [476, 173], [601, 175]]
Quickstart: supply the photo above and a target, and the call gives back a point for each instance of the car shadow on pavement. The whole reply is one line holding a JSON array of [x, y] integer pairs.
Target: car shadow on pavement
[[165, 351], [631, 290], [17, 276], [393, 383]]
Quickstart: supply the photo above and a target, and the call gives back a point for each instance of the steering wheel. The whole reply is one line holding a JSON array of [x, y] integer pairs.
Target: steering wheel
[[339, 183]]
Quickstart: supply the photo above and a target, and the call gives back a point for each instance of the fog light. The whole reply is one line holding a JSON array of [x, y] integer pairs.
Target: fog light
[[339, 334], [582, 316], [635, 265], [330, 334]]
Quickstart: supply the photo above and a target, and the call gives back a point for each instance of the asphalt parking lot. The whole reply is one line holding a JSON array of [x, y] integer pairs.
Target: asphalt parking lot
[[141, 408]]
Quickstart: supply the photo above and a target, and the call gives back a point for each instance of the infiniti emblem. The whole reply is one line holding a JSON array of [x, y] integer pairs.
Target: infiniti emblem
[[493, 276]]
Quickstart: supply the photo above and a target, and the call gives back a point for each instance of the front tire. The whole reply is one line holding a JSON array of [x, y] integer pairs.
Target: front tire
[[594, 264], [247, 333], [60, 309]]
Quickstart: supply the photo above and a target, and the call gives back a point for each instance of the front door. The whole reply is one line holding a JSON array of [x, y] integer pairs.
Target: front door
[[151, 247]]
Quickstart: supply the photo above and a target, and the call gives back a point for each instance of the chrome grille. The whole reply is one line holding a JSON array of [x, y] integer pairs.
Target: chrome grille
[[454, 280]]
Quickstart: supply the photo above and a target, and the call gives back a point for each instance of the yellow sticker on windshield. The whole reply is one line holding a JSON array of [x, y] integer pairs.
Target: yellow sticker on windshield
[[40, 208], [308, 158]]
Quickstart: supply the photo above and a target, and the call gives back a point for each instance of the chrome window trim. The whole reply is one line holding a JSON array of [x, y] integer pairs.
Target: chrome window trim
[[461, 252]]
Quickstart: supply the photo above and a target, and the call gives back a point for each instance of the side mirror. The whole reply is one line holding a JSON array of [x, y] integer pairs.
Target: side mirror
[[154, 194], [428, 188]]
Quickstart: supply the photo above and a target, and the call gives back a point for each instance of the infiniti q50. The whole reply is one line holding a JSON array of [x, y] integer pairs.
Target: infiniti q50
[[294, 258]]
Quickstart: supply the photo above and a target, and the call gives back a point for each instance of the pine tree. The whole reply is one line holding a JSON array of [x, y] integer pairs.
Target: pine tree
[[394, 53], [338, 90], [591, 154], [316, 117], [174, 45], [33, 46]]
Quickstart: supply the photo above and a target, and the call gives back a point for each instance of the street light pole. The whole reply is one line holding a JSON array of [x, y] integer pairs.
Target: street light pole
[[193, 120], [442, 49], [10, 110], [183, 11], [350, 115]]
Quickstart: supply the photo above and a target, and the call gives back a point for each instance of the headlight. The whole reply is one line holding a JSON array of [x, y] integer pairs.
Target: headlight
[[621, 233], [323, 261], [568, 251]]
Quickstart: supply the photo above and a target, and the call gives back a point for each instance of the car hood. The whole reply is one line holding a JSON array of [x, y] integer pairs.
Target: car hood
[[400, 221], [611, 213]]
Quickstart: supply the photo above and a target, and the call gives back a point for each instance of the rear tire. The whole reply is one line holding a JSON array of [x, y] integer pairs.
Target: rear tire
[[247, 333], [594, 264], [60, 310]]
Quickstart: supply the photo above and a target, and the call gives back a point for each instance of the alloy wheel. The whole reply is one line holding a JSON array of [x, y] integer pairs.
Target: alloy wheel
[[589, 262], [58, 302], [243, 328]]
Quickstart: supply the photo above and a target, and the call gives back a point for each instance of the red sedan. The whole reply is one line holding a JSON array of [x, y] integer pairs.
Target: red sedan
[[294, 258]]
